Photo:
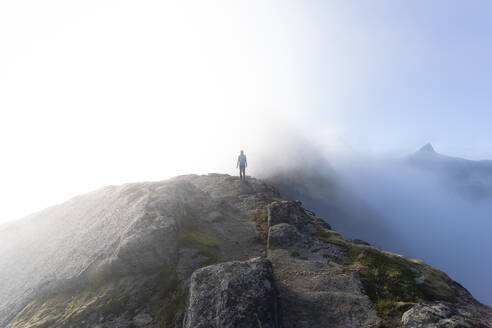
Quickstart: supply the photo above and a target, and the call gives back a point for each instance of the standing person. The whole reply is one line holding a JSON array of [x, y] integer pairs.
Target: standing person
[[242, 163]]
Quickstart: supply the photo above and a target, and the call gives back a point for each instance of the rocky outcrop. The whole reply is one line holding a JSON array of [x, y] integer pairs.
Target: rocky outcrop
[[440, 315], [325, 280], [211, 251], [233, 294], [315, 290]]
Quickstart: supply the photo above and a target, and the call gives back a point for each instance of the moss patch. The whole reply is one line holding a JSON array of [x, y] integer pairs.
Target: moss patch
[[294, 253], [387, 278], [387, 281], [116, 305], [325, 235], [72, 306], [175, 308], [198, 238], [168, 303], [260, 217], [384, 306], [332, 237]]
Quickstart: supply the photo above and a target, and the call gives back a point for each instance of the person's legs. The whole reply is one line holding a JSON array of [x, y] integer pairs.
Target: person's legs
[[242, 174]]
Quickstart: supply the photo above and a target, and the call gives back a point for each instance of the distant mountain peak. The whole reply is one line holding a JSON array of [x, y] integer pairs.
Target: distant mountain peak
[[428, 148]]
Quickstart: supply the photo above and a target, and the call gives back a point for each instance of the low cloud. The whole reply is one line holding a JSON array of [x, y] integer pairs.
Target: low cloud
[[393, 205]]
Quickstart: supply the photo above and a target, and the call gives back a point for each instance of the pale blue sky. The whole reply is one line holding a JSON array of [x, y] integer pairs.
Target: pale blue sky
[[109, 91], [407, 73]]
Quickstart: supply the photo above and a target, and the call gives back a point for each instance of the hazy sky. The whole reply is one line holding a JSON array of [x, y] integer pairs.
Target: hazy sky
[[105, 92]]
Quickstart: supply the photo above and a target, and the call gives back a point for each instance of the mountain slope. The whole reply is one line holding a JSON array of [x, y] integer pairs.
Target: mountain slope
[[124, 231], [128, 256]]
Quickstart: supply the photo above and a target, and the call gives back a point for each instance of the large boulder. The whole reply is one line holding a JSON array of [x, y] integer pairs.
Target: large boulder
[[283, 235], [289, 212], [233, 294]]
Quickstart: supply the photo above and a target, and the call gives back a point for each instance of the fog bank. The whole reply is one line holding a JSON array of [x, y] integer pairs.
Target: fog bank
[[390, 202], [430, 221]]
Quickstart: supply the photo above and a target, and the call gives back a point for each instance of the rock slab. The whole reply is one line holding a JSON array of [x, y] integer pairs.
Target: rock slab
[[440, 315]]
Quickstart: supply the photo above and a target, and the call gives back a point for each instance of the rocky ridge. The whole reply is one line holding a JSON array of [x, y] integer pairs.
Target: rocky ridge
[[211, 251]]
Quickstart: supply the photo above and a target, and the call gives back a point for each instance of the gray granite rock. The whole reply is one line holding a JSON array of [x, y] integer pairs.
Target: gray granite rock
[[233, 294], [441, 315], [283, 235], [289, 212], [142, 319]]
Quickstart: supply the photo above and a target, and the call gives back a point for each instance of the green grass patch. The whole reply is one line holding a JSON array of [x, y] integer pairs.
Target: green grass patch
[[260, 217], [332, 237], [198, 238], [384, 307], [354, 255], [325, 235], [294, 253], [168, 303], [116, 305], [389, 279], [386, 280], [328, 235], [74, 303], [29, 311], [176, 306], [189, 235]]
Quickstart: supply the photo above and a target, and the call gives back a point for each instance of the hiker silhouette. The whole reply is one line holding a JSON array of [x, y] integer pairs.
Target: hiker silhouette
[[242, 163]]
